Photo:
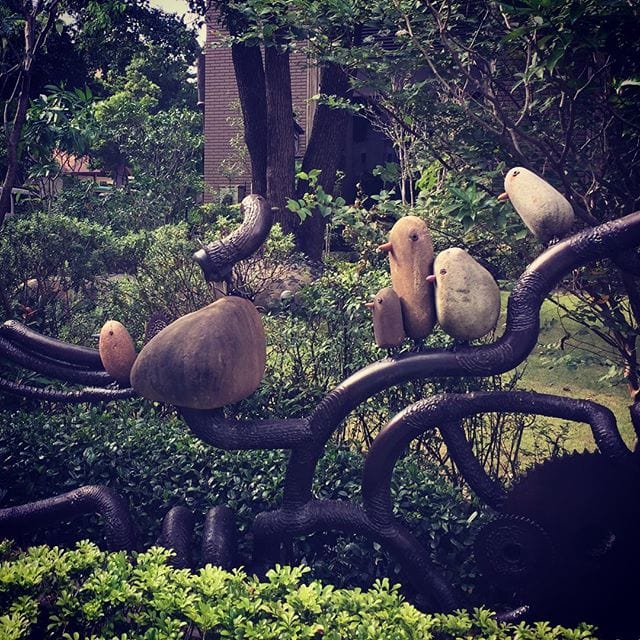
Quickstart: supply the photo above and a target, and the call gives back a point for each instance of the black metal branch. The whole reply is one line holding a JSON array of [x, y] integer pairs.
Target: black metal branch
[[177, 535], [51, 347], [219, 539], [308, 436], [85, 500], [510, 350], [53, 368], [226, 433], [88, 394], [337, 515], [440, 411], [217, 259]]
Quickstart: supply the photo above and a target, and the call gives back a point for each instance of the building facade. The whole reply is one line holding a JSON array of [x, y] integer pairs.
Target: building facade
[[227, 172]]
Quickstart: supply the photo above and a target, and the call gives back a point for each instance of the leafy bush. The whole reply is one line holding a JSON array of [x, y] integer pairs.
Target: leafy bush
[[49, 259], [155, 463], [167, 280], [49, 593]]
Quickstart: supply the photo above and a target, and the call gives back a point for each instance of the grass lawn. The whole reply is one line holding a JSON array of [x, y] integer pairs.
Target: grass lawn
[[574, 373]]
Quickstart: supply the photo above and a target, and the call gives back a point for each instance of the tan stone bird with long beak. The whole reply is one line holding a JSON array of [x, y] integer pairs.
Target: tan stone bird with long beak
[[545, 211], [410, 252], [388, 327], [467, 296]]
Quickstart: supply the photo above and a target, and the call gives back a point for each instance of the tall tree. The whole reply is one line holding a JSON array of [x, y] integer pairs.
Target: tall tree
[[97, 39], [551, 86], [267, 109], [38, 19]]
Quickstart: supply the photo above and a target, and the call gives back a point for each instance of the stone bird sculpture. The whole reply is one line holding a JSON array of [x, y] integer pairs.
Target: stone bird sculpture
[[543, 209], [410, 252], [466, 295], [388, 326]]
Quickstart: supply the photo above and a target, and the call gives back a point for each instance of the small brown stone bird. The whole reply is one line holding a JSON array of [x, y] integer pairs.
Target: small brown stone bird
[[388, 327], [117, 350]]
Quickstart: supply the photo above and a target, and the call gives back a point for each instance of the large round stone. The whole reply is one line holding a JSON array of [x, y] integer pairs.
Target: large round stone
[[206, 359], [467, 296]]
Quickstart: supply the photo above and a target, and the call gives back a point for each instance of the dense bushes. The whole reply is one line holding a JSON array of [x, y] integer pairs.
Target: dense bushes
[[82, 593], [155, 463]]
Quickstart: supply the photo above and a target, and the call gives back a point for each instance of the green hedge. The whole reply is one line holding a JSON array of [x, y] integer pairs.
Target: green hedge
[[152, 459], [87, 593]]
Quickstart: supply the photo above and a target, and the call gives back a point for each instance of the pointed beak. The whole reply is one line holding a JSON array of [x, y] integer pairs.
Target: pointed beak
[[503, 197], [387, 247], [369, 305], [431, 279]]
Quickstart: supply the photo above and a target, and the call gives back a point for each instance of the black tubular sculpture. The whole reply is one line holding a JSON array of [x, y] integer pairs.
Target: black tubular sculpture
[[85, 500], [565, 571], [217, 259]]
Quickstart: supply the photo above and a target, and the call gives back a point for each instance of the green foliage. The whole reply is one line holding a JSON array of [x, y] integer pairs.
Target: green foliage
[[166, 162], [315, 199], [166, 279], [59, 120], [85, 592], [109, 35], [47, 259], [547, 85], [318, 339], [150, 458], [155, 463]]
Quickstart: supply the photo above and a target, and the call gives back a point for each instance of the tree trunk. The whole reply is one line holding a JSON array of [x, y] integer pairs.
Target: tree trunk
[[280, 136], [249, 71], [23, 85], [33, 42], [324, 152]]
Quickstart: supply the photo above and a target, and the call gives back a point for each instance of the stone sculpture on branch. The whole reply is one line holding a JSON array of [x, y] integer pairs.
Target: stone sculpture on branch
[[552, 569]]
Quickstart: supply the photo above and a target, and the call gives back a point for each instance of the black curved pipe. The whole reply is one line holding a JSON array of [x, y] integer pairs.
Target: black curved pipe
[[227, 433], [217, 259], [510, 350], [50, 347], [85, 500], [177, 535], [88, 394], [519, 338], [219, 539], [337, 515], [428, 414], [53, 368]]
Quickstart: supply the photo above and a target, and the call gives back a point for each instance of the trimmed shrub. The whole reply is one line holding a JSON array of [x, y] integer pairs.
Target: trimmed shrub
[[155, 463], [87, 593]]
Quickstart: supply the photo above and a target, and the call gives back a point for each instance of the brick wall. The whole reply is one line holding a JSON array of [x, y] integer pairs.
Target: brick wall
[[224, 166]]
